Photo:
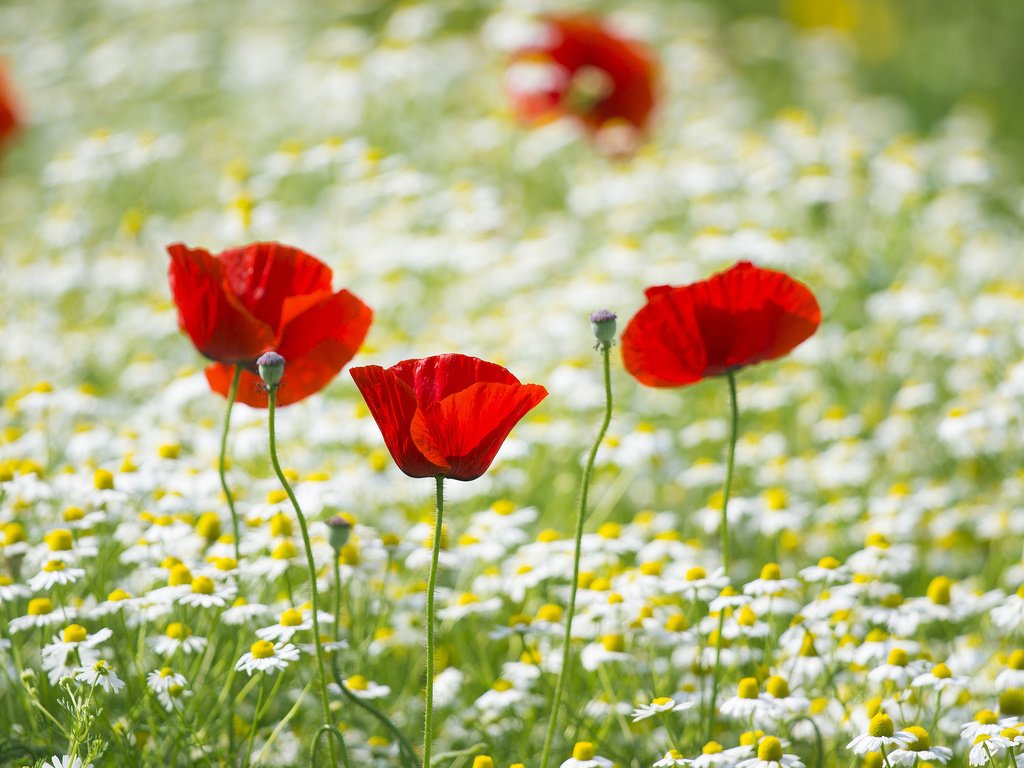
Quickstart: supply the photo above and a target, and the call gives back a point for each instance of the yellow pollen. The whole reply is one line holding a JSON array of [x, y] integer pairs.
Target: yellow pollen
[[898, 657], [942, 672], [939, 590], [501, 685], [1016, 660], [661, 701], [483, 761], [777, 687], [695, 573], [651, 568], [712, 748], [981, 737], [180, 575], [280, 525], [208, 526], [503, 507], [169, 451], [609, 530], [1006, 733], [468, 598], [747, 617], [676, 623], [54, 565], [118, 595], [549, 612], [1011, 702], [877, 540], [285, 550], [881, 726], [166, 672], [583, 750], [103, 480], [59, 540], [276, 496], [770, 749], [748, 688], [178, 631], [828, 563], [39, 606], [614, 643], [357, 683], [548, 535], [986, 717], [921, 739], [876, 636], [74, 633], [202, 585], [291, 618], [73, 513], [262, 649]]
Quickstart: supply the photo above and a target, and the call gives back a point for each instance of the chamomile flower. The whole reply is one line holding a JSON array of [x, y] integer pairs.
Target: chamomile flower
[[205, 593], [770, 582], [939, 679], [169, 687], [770, 755], [988, 749], [100, 675], [919, 750], [40, 614], [66, 761], [608, 650], [584, 756], [747, 702], [291, 621], [659, 706], [671, 759], [74, 640], [9, 591], [264, 656], [177, 637], [366, 689], [985, 722], [55, 573], [243, 612], [1013, 675], [898, 669], [713, 755], [881, 734]]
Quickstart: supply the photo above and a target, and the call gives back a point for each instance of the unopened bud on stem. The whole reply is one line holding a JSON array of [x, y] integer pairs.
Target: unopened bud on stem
[[602, 323], [338, 529], [271, 368]]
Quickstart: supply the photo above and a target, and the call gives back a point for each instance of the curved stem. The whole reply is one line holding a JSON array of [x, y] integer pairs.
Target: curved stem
[[428, 716], [724, 533], [232, 394], [272, 397], [581, 514]]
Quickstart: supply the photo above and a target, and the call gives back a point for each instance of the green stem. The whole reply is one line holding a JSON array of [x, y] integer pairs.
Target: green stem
[[232, 394], [272, 397], [724, 533], [581, 514], [428, 715]]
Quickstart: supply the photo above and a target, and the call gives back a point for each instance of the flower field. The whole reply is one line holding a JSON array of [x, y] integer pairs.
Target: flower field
[[482, 385]]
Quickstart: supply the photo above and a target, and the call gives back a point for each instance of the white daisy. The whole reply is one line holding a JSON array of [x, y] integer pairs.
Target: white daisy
[[264, 656], [881, 733], [100, 675]]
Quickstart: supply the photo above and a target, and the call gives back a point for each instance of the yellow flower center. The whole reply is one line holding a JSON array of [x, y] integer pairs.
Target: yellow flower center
[[74, 633], [1016, 660], [747, 688], [177, 631], [468, 599], [676, 623], [921, 739], [583, 750], [695, 573], [661, 701], [276, 496], [483, 761], [357, 683], [747, 617], [54, 565], [712, 748], [202, 585], [942, 672], [118, 595], [986, 717], [881, 726], [166, 672], [103, 480], [39, 606], [280, 525], [777, 687], [770, 749], [549, 612], [59, 540], [291, 618], [771, 572], [262, 649], [828, 563], [614, 644], [898, 657], [71, 514], [285, 550], [503, 507], [1011, 702], [502, 685], [608, 531], [939, 590], [179, 576]]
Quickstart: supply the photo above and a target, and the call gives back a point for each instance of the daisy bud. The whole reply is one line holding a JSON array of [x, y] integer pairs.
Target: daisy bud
[[338, 529], [271, 368], [602, 323]]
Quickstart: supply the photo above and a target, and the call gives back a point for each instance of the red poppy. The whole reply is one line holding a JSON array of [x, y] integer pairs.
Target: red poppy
[[735, 318], [266, 296], [582, 67], [9, 119], [445, 415]]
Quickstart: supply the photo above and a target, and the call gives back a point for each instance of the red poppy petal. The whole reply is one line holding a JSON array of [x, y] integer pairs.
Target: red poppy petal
[[393, 406], [435, 378], [466, 429], [662, 345], [264, 275], [220, 327], [9, 120], [748, 314], [250, 386]]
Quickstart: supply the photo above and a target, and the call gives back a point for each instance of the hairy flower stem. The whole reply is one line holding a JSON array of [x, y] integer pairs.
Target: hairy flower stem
[[272, 397], [581, 515], [221, 468], [428, 716], [724, 533]]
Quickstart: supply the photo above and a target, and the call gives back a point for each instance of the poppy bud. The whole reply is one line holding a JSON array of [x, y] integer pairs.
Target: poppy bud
[[271, 367], [602, 323], [338, 529]]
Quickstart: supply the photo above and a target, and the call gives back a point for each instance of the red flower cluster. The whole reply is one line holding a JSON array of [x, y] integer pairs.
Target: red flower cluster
[[266, 296], [445, 415], [736, 318], [10, 121], [583, 68]]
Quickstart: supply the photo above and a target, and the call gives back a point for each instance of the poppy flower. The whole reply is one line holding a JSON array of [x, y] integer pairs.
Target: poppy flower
[[580, 66], [265, 296], [445, 415], [736, 318], [9, 119]]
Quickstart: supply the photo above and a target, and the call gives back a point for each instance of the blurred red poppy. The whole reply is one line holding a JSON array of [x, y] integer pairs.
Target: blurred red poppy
[[445, 415], [735, 318], [10, 120], [265, 296], [580, 66]]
